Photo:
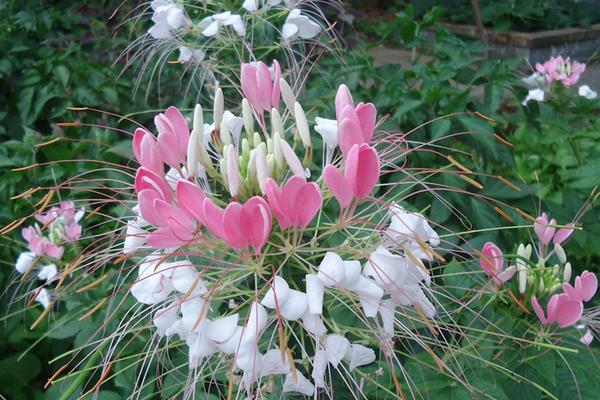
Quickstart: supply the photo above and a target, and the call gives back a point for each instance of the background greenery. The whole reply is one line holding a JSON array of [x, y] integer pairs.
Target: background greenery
[[60, 54]]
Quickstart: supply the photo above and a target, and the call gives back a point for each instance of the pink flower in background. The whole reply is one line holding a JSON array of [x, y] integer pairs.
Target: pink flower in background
[[261, 86], [173, 138], [492, 262], [543, 229], [361, 173], [41, 246], [296, 204], [561, 309], [559, 69], [355, 125], [563, 234], [146, 151], [585, 288]]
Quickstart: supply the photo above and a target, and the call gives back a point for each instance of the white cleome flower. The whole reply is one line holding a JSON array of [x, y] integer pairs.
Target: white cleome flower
[[188, 55], [168, 17], [48, 272], [254, 5], [210, 25], [409, 231], [587, 92], [536, 81], [24, 262], [534, 94], [43, 297], [298, 25]]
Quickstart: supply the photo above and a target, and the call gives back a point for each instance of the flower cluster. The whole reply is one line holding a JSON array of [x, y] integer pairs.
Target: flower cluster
[[172, 24], [238, 193], [556, 69], [59, 225], [566, 308]]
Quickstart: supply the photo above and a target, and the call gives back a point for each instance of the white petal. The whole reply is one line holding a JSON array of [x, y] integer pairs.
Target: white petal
[[298, 383], [313, 323], [184, 276], [336, 347], [257, 321], [250, 5], [248, 358], [48, 272], [587, 92], [43, 297], [351, 273], [289, 31], [232, 344], [175, 18], [308, 28], [314, 293], [211, 30], [328, 129], [331, 270], [200, 346], [134, 238], [194, 311], [165, 318], [387, 311], [280, 294], [272, 363], [369, 295], [25, 261], [160, 31], [319, 367], [359, 355], [222, 329], [295, 306]]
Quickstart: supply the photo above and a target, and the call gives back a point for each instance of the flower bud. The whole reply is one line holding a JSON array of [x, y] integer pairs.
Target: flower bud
[[276, 122], [245, 147], [269, 146], [193, 153], [302, 124], [555, 270], [218, 108], [522, 271], [528, 250], [288, 96], [292, 159], [560, 253], [233, 172], [541, 288], [224, 134], [198, 123], [262, 168], [252, 164], [270, 163], [257, 139], [567, 273], [248, 117], [279, 159]]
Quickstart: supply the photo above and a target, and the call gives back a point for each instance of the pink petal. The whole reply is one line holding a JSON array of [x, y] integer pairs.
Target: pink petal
[[338, 185], [589, 285], [491, 259], [146, 200], [289, 197], [168, 142], [54, 251], [146, 179], [308, 204], [214, 218], [569, 312], [552, 307], [570, 291], [137, 142], [274, 196], [248, 78], [180, 128], [173, 216], [367, 115], [235, 232], [150, 154], [349, 134], [256, 218], [539, 311], [343, 98], [264, 86], [191, 199], [368, 171], [165, 237], [563, 234]]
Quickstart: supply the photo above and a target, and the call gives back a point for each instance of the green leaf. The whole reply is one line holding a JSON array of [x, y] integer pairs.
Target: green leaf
[[440, 128], [62, 74]]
